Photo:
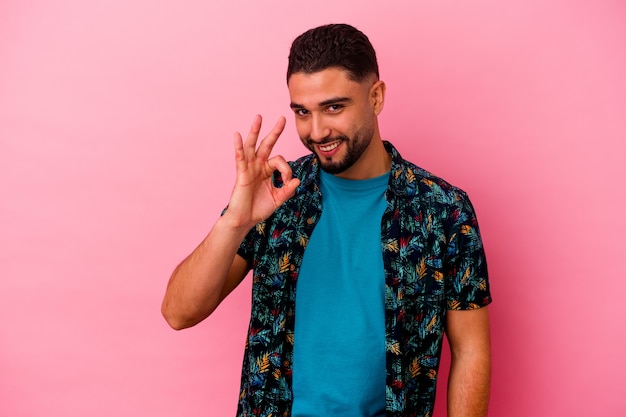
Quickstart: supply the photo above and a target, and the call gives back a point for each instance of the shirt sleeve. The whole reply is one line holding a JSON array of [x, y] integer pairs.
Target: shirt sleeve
[[467, 282], [247, 248]]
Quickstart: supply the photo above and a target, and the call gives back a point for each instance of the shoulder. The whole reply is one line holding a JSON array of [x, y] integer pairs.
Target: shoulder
[[304, 166], [417, 184], [432, 186]]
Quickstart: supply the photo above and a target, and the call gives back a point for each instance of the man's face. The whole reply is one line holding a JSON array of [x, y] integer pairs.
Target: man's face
[[335, 116]]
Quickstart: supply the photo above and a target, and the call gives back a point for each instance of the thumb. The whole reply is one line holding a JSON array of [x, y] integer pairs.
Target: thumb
[[287, 190]]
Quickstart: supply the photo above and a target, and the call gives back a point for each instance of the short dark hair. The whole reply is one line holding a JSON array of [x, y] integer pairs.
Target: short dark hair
[[334, 45]]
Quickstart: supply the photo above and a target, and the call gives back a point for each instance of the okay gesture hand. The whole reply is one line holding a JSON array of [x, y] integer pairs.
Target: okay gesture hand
[[255, 197]]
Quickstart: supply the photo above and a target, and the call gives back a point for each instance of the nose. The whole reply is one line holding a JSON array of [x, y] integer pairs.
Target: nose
[[319, 130]]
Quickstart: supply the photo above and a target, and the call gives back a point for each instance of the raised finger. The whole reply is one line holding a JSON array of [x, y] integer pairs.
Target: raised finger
[[240, 158], [250, 144], [267, 144]]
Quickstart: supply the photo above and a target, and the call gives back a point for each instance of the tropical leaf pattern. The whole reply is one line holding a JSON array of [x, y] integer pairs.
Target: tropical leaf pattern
[[434, 261]]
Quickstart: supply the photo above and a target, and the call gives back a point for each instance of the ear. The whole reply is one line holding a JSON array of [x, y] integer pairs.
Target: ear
[[377, 96]]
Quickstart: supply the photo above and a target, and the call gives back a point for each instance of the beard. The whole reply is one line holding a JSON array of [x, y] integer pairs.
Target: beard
[[355, 146]]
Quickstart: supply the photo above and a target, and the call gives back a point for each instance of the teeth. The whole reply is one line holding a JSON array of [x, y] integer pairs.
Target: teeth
[[329, 147]]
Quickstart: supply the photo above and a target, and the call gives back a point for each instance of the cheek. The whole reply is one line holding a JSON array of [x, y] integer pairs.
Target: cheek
[[302, 128], [345, 124]]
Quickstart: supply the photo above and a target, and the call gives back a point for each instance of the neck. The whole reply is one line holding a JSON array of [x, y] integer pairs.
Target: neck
[[374, 162]]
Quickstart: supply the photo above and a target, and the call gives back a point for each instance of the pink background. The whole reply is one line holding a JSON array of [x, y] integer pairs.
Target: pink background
[[116, 122]]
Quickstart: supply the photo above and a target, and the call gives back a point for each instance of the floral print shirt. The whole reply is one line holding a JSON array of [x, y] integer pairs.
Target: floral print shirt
[[434, 261]]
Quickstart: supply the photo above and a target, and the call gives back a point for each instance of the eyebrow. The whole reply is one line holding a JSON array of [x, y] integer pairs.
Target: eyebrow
[[330, 101]]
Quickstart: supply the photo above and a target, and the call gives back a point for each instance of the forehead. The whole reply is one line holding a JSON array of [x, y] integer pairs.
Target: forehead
[[313, 88]]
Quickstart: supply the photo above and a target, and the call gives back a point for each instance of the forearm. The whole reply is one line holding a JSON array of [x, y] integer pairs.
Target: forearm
[[213, 269], [201, 281], [469, 384]]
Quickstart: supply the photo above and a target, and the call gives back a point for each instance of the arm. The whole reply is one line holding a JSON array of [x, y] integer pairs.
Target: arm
[[214, 269], [470, 369]]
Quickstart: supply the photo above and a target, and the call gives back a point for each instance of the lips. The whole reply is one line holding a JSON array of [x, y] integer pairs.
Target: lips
[[329, 147]]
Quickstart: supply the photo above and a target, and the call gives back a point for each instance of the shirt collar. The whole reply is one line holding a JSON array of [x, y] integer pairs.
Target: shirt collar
[[401, 178]]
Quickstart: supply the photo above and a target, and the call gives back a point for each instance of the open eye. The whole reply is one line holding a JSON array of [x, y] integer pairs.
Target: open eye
[[301, 112], [334, 108]]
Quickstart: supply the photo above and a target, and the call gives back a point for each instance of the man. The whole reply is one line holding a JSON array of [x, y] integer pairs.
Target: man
[[361, 259]]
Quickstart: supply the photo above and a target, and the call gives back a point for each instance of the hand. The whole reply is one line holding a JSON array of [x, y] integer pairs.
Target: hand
[[255, 197]]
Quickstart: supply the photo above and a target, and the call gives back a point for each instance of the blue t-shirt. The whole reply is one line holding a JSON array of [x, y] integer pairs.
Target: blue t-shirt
[[339, 342]]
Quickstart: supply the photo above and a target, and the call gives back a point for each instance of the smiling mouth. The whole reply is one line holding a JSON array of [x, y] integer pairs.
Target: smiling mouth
[[327, 147]]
